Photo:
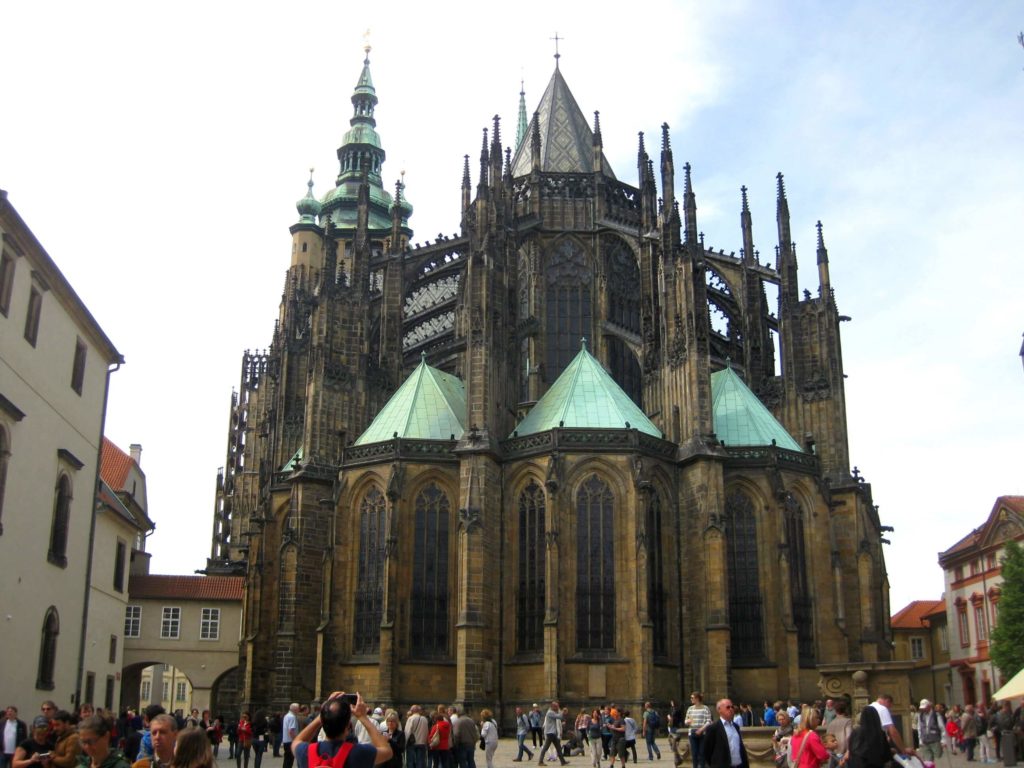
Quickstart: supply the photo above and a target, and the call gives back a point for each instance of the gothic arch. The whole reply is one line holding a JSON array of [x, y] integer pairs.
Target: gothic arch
[[746, 596], [529, 558], [594, 506], [48, 649], [431, 603], [610, 472], [570, 311], [370, 515]]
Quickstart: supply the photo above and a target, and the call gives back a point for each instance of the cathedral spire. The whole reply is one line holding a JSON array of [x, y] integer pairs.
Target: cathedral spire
[[690, 208], [535, 142], [598, 144], [668, 173], [308, 207], [484, 161], [522, 127], [747, 225], [466, 185], [782, 217], [823, 277]]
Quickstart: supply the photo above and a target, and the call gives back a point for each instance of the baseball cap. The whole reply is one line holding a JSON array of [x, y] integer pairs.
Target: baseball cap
[[925, 704]]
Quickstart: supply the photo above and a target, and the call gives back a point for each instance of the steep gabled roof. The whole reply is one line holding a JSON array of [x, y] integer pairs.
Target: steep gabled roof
[[114, 465], [913, 616], [430, 405], [585, 397], [1005, 521], [740, 418], [566, 139]]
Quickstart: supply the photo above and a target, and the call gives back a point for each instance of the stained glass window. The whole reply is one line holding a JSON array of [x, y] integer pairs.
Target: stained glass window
[[595, 567], [656, 576], [745, 618], [370, 576], [429, 598], [803, 616], [568, 307], [530, 597]]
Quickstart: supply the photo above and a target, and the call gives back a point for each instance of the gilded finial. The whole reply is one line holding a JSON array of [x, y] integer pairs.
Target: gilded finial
[[366, 45]]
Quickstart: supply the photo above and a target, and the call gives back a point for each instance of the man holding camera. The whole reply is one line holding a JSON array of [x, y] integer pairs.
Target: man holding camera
[[341, 749]]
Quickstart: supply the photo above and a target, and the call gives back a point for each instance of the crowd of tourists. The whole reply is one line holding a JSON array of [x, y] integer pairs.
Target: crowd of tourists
[[823, 734]]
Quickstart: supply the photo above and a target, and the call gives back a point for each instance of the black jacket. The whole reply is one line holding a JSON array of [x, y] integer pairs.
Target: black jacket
[[716, 746], [21, 730]]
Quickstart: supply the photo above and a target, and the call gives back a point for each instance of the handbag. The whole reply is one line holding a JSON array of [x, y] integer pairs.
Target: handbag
[[435, 738], [483, 744]]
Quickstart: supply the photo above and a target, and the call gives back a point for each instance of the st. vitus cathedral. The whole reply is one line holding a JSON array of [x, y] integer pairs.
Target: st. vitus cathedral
[[522, 462]]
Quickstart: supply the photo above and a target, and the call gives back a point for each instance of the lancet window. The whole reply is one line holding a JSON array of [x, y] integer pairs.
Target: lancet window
[[746, 621], [530, 597], [370, 581], [656, 576], [568, 306], [803, 616], [595, 567], [428, 613]]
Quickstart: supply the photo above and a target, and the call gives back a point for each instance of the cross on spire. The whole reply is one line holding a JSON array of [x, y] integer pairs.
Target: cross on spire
[[556, 38]]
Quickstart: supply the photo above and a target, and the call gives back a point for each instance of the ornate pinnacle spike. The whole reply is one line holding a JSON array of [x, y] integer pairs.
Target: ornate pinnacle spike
[[465, 173], [641, 152], [398, 192], [688, 185], [483, 149], [597, 123], [666, 145], [535, 134], [496, 140], [743, 192], [821, 239], [508, 161], [782, 186]]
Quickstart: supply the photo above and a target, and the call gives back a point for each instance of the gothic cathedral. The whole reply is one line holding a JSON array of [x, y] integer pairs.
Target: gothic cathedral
[[525, 461]]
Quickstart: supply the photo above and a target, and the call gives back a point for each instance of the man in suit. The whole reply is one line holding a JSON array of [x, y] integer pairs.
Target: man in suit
[[723, 746]]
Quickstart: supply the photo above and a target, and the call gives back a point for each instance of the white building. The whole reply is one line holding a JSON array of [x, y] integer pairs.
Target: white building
[[972, 569], [55, 363]]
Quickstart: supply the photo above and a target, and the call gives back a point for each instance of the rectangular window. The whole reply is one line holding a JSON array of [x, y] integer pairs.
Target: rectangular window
[[944, 637], [991, 562], [166, 691], [965, 630], [113, 649], [958, 573], [90, 687], [108, 695], [995, 614], [119, 564], [209, 627], [979, 623], [145, 691], [133, 622], [179, 695], [917, 648], [35, 308], [6, 282], [170, 625], [78, 367]]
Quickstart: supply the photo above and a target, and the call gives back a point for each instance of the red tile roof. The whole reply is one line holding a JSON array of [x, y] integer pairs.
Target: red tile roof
[[974, 538], [186, 587], [912, 616], [114, 465], [1016, 503]]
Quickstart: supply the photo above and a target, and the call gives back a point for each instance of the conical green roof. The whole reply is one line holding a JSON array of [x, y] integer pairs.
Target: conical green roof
[[740, 418], [430, 405], [585, 397]]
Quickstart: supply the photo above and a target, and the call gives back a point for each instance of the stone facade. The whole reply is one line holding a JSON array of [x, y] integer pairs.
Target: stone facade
[[494, 568]]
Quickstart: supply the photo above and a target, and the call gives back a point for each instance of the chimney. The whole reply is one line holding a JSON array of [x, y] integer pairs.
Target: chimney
[[135, 451]]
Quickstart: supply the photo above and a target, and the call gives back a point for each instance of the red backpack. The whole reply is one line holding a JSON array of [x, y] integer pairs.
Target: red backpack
[[315, 760]]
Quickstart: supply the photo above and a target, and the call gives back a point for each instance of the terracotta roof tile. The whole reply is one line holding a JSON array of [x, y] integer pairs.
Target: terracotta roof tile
[[114, 465], [186, 587], [912, 615], [1016, 503]]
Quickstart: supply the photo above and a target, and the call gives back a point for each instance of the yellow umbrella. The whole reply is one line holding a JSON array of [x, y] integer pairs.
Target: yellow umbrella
[[1013, 689]]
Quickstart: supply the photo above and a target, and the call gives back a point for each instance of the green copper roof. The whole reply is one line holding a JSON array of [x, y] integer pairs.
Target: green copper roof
[[430, 405], [585, 396], [566, 139], [523, 125], [292, 463], [740, 418]]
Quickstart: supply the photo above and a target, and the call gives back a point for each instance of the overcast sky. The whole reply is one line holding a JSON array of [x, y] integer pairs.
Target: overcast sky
[[157, 151]]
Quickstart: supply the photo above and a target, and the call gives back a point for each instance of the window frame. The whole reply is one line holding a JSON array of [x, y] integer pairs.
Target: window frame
[[60, 524], [531, 556], [133, 621], [33, 315], [112, 655], [120, 564], [167, 620], [594, 507], [917, 649], [209, 624], [78, 366], [48, 650], [7, 269]]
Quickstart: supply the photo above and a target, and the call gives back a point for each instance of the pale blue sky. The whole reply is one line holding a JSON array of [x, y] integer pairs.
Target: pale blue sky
[[158, 152]]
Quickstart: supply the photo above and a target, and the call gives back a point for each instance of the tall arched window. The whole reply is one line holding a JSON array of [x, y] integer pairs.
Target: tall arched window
[[370, 576], [286, 594], [428, 614], [58, 552], [745, 617], [803, 615], [48, 649], [656, 576], [595, 567], [530, 597], [568, 306], [623, 281]]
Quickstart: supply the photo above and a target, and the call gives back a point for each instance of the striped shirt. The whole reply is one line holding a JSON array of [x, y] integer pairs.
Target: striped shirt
[[698, 717]]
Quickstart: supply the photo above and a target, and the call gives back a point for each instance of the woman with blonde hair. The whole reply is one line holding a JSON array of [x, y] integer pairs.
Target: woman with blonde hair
[[488, 735], [193, 750], [805, 745]]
